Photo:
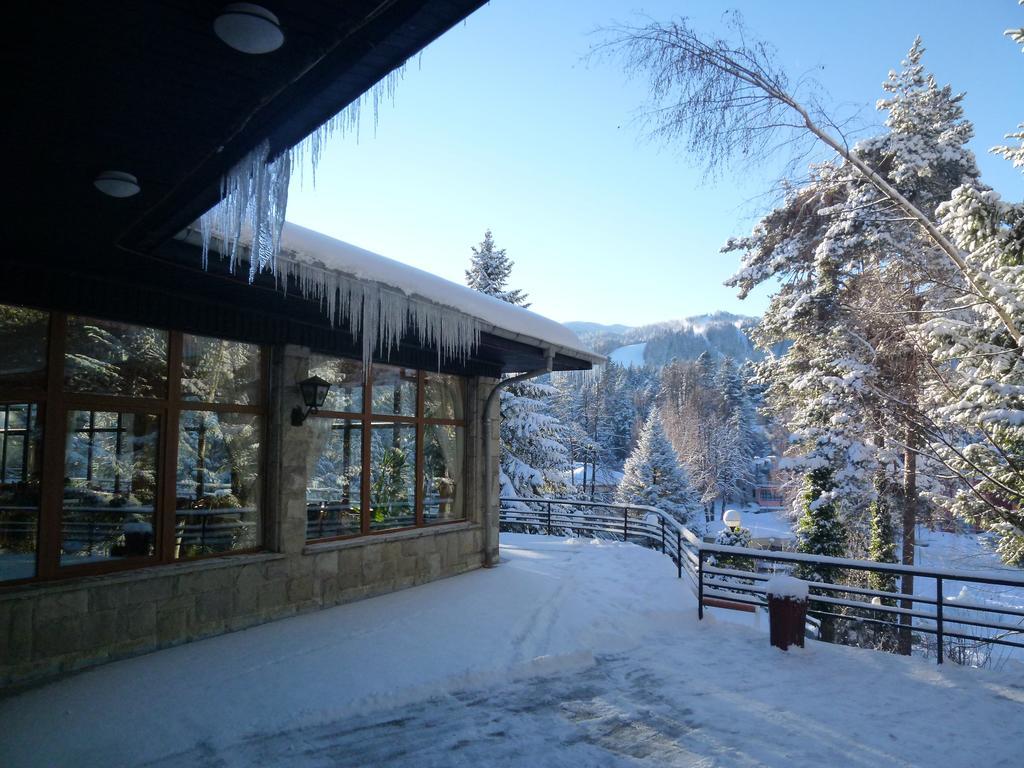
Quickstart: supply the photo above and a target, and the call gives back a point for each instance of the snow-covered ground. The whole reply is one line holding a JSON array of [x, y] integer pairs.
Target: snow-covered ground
[[762, 522], [609, 477], [571, 653], [629, 356]]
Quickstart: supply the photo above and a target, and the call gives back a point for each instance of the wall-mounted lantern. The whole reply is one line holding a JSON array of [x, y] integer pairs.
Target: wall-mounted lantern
[[314, 395]]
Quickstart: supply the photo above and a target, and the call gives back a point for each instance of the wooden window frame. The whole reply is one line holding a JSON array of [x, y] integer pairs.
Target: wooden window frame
[[55, 401], [367, 420]]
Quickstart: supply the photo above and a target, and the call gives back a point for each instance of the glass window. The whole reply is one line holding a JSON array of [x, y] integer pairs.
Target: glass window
[[112, 358], [348, 494], [392, 476], [217, 505], [23, 347], [443, 396], [110, 481], [346, 377], [219, 371], [443, 449], [333, 495], [394, 391], [19, 490]]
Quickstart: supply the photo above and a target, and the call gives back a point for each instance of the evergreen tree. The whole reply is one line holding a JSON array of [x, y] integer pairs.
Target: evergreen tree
[[618, 414], [820, 532], [733, 537], [534, 459], [489, 270], [857, 282], [883, 545], [981, 393], [653, 476]]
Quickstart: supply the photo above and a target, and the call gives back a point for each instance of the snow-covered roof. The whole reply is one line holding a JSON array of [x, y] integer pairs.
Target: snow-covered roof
[[304, 249]]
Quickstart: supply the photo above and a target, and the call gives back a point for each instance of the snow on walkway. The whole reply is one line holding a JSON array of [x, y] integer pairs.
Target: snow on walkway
[[569, 654]]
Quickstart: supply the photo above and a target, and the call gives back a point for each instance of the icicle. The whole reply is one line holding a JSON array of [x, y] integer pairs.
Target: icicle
[[382, 316], [254, 193], [254, 196]]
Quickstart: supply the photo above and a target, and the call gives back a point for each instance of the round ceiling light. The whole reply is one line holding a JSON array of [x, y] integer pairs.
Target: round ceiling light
[[249, 28], [117, 184]]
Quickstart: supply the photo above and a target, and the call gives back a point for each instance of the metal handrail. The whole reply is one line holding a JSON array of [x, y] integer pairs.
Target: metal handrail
[[668, 535], [742, 588]]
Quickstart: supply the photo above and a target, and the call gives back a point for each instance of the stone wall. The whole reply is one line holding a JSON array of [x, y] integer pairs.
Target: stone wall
[[46, 630]]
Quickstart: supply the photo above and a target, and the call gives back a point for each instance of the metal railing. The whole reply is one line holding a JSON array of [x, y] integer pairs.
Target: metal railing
[[734, 577], [647, 526]]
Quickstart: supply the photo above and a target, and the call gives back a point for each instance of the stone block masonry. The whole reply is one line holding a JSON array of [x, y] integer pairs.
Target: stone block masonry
[[60, 627]]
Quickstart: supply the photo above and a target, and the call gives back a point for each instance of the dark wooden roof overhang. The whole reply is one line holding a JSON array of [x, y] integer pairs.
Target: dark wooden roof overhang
[[170, 290], [148, 88]]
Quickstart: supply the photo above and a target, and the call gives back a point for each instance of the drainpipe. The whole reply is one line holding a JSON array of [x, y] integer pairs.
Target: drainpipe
[[490, 499]]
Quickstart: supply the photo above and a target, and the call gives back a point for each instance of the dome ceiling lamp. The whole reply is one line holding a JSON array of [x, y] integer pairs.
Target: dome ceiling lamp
[[117, 184], [249, 28]]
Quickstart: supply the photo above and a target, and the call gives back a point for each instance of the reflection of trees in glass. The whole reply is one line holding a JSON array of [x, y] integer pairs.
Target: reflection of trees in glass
[[113, 455], [441, 471], [219, 371], [394, 390], [217, 457], [22, 345], [110, 485], [339, 464], [392, 474], [116, 358], [333, 495], [346, 377], [19, 489], [218, 492]]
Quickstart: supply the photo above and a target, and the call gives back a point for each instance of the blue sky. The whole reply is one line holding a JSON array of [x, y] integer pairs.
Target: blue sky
[[502, 124]]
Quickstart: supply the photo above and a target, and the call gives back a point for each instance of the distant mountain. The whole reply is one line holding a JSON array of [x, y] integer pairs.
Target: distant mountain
[[585, 327], [720, 334]]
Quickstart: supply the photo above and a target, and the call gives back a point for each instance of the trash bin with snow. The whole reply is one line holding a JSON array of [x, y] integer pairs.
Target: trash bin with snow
[[787, 610]]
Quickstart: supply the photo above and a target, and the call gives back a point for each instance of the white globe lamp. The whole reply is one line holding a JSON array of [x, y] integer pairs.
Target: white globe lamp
[[731, 518]]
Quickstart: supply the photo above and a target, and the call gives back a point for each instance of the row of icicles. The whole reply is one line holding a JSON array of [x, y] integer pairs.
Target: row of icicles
[[254, 199]]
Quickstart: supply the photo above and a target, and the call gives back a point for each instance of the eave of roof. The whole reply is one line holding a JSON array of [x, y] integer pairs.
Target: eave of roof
[[498, 318]]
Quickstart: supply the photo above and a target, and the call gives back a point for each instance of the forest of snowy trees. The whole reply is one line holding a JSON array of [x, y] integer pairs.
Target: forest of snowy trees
[[898, 288], [892, 376], [686, 438], [902, 386]]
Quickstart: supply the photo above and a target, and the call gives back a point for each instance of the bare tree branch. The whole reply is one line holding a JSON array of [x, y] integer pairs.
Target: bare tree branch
[[727, 100]]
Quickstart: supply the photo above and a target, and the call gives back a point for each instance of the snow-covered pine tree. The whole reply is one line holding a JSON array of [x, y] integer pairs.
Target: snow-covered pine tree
[[820, 531], [534, 459], [882, 548], [489, 270], [733, 537], [618, 415], [981, 393], [856, 282], [741, 422], [653, 476]]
